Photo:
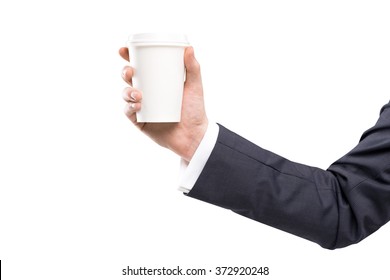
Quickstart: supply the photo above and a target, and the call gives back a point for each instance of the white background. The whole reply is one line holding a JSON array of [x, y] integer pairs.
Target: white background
[[83, 194]]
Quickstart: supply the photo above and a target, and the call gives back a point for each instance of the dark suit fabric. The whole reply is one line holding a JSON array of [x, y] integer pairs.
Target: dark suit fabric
[[334, 207]]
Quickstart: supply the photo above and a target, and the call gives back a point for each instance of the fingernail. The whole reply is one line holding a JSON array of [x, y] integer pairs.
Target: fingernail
[[124, 73], [133, 95]]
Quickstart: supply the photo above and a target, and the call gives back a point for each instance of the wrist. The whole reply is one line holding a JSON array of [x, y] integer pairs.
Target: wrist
[[193, 139]]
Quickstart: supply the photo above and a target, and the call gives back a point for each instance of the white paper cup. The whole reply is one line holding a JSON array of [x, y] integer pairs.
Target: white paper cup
[[158, 62]]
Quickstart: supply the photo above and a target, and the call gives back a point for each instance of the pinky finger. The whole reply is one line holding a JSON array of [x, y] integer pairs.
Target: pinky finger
[[130, 111]]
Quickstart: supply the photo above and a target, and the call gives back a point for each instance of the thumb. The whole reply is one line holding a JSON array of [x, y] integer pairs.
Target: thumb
[[192, 66]]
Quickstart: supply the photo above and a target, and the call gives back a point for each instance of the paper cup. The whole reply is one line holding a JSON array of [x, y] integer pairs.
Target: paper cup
[[158, 62]]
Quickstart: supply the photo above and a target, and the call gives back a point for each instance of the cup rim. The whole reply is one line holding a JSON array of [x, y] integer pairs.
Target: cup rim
[[158, 39]]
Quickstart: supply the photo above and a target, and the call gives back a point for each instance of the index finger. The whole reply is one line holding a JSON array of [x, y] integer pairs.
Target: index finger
[[124, 53]]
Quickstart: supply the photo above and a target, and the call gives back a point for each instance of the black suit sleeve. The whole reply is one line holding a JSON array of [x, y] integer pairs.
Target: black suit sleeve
[[334, 207]]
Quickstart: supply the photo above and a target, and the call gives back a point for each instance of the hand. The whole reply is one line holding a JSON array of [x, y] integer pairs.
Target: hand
[[184, 137]]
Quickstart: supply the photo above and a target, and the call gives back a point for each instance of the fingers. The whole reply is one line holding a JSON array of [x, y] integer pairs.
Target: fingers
[[127, 71], [192, 66], [127, 74], [130, 111], [124, 53], [133, 99], [130, 94]]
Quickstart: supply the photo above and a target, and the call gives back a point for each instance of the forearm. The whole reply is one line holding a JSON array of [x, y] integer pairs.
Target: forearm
[[265, 187], [333, 208]]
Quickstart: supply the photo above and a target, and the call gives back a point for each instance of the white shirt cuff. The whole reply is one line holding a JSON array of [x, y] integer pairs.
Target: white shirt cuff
[[190, 171]]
